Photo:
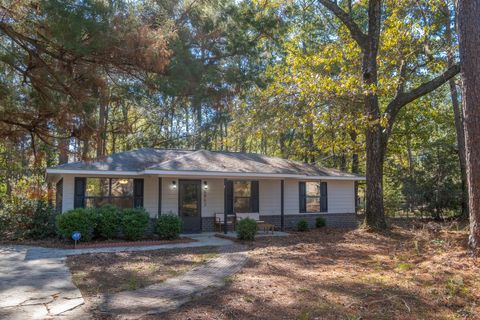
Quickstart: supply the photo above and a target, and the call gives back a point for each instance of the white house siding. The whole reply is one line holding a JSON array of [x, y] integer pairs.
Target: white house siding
[[68, 192], [340, 198], [169, 196], [340, 195], [212, 199], [150, 195], [269, 197]]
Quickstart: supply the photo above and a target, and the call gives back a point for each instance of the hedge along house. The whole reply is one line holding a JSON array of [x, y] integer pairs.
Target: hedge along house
[[197, 185]]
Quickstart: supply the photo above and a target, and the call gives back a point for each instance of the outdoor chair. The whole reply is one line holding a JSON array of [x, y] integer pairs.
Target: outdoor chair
[[219, 221]]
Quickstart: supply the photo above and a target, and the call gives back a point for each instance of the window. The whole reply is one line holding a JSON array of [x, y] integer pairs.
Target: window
[[313, 196], [245, 196], [242, 191], [101, 191]]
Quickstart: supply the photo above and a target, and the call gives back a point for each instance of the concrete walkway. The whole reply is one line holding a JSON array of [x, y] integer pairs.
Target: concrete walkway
[[36, 289], [36, 284], [174, 292]]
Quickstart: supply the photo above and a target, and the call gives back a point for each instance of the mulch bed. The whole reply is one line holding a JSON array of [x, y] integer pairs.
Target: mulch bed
[[62, 244], [139, 243], [416, 270]]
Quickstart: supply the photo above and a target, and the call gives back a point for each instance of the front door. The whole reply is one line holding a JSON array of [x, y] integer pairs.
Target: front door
[[189, 204]]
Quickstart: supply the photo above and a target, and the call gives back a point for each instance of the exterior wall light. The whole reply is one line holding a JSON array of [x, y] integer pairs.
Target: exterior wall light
[[205, 185], [174, 185]]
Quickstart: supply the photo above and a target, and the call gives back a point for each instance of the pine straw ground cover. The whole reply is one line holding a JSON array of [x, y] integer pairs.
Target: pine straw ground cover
[[102, 273], [416, 271]]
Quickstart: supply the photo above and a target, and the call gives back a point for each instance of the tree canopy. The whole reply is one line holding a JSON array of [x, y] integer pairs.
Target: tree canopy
[[355, 85]]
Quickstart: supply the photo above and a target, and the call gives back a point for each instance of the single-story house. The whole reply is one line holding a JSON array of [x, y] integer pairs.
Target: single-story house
[[198, 185]]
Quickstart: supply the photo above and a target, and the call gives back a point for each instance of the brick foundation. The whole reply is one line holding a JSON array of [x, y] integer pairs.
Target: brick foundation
[[333, 220]]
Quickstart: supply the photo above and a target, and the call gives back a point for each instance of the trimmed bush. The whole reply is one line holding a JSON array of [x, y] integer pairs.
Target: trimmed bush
[[169, 226], [134, 223], [302, 225], [108, 221], [320, 222], [247, 229], [80, 219]]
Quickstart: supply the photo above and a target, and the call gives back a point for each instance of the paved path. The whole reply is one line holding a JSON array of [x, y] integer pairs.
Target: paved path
[[36, 284], [174, 292], [36, 289]]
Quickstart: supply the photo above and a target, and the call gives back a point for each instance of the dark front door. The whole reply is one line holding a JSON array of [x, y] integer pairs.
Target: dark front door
[[189, 204]]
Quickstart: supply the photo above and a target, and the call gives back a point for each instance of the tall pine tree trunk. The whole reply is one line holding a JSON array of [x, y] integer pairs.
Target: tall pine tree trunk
[[469, 41], [457, 113], [374, 213]]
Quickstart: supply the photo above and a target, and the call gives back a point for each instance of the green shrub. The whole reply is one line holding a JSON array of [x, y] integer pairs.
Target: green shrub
[[43, 221], [108, 221], [80, 219], [134, 223], [247, 229], [302, 225], [169, 226], [320, 222], [23, 218]]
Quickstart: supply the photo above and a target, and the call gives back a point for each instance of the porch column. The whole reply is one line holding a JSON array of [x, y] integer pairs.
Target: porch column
[[282, 205], [159, 197], [225, 207]]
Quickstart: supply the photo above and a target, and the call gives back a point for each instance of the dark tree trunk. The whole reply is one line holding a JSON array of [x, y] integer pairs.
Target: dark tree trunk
[[355, 168], [63, 150], [460, 130], [376, 140], [374, 213], [102, 124], [457, 113], [86, 149], [469, 41]]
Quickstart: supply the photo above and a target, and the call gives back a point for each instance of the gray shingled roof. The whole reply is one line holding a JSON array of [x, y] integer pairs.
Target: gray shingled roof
[[201, 161]]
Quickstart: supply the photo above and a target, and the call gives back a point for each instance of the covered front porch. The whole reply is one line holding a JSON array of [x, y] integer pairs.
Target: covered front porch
[[211, 204]]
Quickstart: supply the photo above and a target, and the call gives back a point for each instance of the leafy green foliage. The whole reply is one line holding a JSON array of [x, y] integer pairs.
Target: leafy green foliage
[[134, 223], [302, 225], [168, 226], [80, 219], [27, 219], [320, 222], [108, 221], [247, 229]]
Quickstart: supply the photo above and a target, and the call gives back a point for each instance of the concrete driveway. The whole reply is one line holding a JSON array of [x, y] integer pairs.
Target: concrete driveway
[[35, 283], [36, 287]]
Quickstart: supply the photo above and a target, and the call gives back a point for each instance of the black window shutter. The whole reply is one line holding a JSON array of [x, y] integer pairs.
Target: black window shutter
[[254, 197], [302, 193], [229, 196], [323, 197], [137, 193], [79, 198]]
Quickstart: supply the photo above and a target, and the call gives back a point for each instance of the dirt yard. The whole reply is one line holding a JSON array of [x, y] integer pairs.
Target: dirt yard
[[416, 271], [103, 273]]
